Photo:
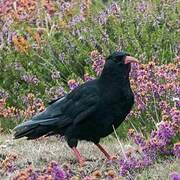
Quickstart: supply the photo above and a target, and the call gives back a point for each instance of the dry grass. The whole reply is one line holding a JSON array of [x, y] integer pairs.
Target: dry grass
[[40, 152]]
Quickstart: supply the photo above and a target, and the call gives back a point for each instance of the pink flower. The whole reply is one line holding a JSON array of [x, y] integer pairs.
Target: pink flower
[[98, 62], [175, 176]]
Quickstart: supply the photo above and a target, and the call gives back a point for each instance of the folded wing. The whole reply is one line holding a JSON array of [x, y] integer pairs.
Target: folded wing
[[66, 111]]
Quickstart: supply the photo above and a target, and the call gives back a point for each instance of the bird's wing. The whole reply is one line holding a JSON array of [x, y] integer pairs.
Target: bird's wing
[[82, 102], [70, 109], [50, 116]]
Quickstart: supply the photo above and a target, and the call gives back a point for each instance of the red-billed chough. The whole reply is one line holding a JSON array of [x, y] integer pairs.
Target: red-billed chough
[[90, 111]]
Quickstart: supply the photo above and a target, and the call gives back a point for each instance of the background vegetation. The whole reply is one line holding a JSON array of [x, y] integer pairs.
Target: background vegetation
[[49, 47], [47, 43]]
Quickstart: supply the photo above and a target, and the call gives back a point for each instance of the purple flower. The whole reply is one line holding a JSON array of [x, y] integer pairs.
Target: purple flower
[[175, 176], [161, 90], [87, 77], [58, 173], [9, 37], [177, 104], [33, 174], [113, 9], [55, 92], [55, 75], [124, 167], [3, 93], [153, 134], [146, 161], [177, 89], [23, 16], [17, 66], [73, 84], [1, 40], [102, 18], [76, 19], [5, 30], [139, 140], [83, 8], [105, 37], [65, 6], [11, 168], [176, 149], [93, 41], [140, 103], [60, 91], [30, 79], [98, 62], [87, 178], [132, 163], [61, 57], [175, 115], [37, 101], [163, 104], [165, 132], [142, 7], [35, 80]]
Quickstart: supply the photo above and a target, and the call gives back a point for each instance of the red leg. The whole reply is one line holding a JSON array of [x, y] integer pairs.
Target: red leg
[[104, 151], [78, 156]]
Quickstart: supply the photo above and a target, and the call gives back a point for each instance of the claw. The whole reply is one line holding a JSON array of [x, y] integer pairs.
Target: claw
[[112, 158]]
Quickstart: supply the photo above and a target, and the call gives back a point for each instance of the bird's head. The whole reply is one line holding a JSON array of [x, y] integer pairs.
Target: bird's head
[[123, 60], [119, 64]]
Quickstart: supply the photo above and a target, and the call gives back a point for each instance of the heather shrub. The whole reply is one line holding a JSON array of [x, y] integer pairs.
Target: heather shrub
[[48, 48]]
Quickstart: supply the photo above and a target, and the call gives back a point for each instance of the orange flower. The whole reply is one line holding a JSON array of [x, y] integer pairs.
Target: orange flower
[[37, 38], [62, 24], [21, 43], [75, 178], [41, 108], [131, 131], [29, 30], [111, 173], [97, 173], [94, 53], [165, 117], [49, 6], [41, 178]]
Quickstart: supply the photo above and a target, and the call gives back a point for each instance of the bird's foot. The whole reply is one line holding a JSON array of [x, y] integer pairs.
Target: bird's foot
[[108, 156], [113, 158], [79, 157]]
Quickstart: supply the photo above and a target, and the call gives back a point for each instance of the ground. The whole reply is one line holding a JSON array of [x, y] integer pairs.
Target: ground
[[40, 152]]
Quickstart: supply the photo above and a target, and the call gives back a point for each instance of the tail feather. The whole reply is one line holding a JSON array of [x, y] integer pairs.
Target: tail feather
[[35, 129], [38, 132], [23, 133]]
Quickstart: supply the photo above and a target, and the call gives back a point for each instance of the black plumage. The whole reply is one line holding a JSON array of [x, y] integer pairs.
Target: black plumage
[[89, 111]]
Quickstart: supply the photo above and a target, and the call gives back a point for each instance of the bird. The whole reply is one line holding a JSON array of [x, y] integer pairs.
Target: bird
[[89, 112]]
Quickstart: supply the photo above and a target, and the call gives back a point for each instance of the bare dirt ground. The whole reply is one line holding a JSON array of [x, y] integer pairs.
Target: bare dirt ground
[[40, 152]]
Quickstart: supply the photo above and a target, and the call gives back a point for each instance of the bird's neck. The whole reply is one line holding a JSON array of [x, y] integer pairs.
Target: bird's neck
[[114, 77]]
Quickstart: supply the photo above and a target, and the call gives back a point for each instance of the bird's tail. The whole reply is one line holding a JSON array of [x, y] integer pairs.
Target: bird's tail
[[33, 129]]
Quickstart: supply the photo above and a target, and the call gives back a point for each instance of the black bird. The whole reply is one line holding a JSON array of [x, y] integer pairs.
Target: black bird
[[90, 111]]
